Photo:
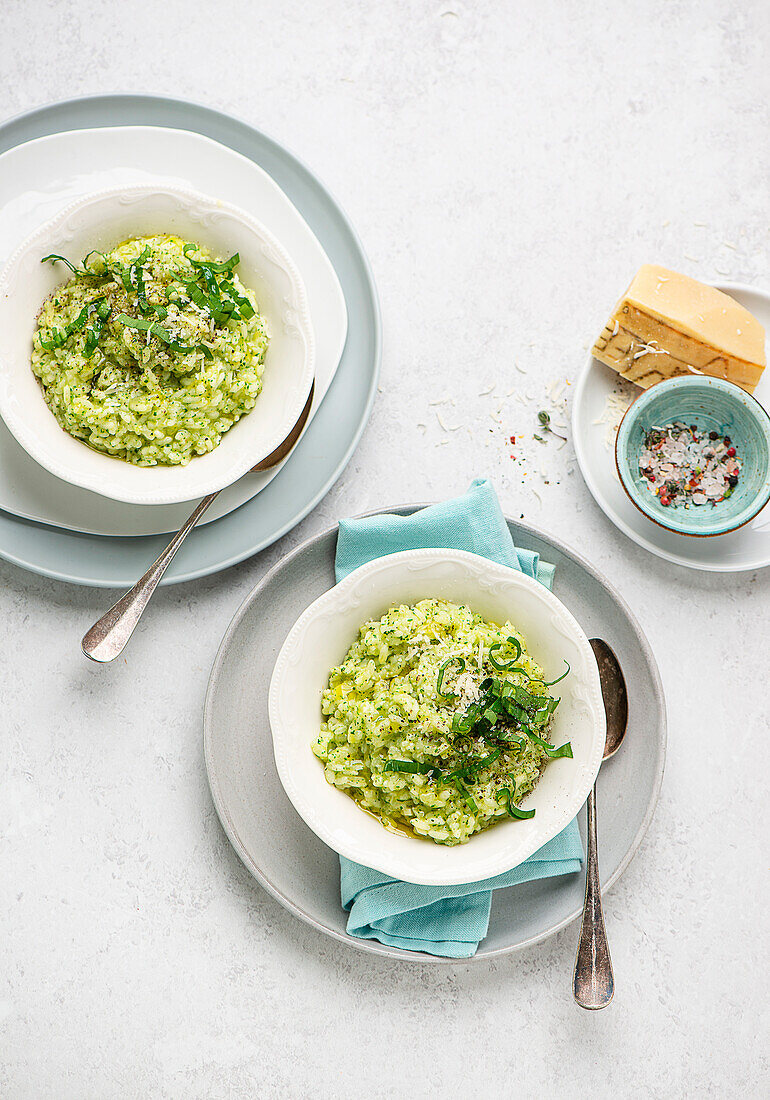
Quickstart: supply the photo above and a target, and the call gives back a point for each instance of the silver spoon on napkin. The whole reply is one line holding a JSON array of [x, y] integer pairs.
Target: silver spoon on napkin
[[594, 983], [107, 638]]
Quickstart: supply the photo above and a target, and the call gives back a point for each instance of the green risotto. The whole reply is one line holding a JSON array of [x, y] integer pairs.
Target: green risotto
[[437, 722], [152, 351]]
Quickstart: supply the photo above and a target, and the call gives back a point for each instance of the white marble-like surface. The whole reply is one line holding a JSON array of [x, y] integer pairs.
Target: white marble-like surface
[[508, 167]]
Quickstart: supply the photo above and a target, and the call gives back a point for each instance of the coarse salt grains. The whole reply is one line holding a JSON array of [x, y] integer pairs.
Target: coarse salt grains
[[682, 464]]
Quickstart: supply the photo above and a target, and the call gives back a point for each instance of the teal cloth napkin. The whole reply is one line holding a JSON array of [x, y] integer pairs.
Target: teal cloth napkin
[[441, 920]]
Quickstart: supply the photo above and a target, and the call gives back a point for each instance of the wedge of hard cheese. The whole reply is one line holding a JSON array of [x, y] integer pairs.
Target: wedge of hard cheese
[[668, 324]]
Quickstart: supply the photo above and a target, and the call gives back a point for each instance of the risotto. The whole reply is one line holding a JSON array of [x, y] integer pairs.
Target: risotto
[[152, 351], [437, 722]]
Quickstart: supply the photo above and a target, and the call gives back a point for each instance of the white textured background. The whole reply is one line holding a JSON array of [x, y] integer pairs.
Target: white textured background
[[508, 166]]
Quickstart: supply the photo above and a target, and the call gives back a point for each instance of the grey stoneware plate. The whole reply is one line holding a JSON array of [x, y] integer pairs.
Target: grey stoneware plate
[[327, 446], [297, 868]]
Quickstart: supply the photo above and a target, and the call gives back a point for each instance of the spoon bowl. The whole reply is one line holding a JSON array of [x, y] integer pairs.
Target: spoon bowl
[[614, 694], [594, 982]]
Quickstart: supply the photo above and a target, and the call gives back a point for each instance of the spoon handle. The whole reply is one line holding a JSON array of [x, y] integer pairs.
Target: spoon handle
[[107, 637], [593, 984]]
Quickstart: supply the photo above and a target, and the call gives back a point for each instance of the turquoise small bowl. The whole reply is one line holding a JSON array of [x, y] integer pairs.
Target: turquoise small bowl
[[714, 405]]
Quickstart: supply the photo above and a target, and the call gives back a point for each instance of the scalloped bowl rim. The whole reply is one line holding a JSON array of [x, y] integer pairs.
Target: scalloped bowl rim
[[732, 392], [333, 816], [82, 470]]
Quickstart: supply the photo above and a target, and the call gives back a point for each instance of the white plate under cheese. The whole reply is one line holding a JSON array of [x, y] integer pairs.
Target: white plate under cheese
[[600, 398]]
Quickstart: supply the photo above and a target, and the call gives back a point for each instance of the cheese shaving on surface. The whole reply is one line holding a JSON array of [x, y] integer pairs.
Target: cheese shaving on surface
[[447, 427], [614, 409], [651, 348]]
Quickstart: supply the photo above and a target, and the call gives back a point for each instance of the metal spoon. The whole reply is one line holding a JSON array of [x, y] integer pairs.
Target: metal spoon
[[107, 638], [593, 983]]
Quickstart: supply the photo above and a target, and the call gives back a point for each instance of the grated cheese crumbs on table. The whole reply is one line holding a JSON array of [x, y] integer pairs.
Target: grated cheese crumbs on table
[[447, 427], [520, 449], [618, 400]]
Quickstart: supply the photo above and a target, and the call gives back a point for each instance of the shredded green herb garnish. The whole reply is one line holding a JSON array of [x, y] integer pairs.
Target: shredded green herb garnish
[[504, 716], [219, 298], [57, 338], [244, 305], [412, 767], [210, 265], [504, 666], [466, 795], [155, 329], [92, 339], [442, 672], [512, 809], [550, 683], [550, 750], [87, 266], [63, 260], [136, 278]]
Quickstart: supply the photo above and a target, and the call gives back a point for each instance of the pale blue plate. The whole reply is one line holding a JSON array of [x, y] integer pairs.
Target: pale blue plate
[[714, 405], [329, 442]]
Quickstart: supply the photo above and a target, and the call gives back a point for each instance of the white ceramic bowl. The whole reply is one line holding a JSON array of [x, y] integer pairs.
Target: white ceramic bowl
[[101, 221], [321, 637]]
